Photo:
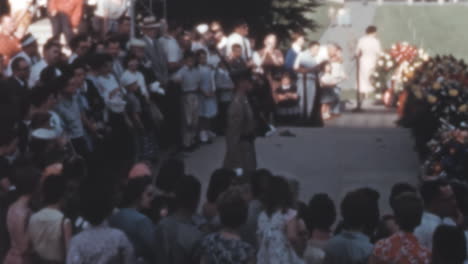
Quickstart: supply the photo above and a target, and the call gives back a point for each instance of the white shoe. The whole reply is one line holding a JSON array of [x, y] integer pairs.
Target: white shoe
[[203, 136], [271, 131]]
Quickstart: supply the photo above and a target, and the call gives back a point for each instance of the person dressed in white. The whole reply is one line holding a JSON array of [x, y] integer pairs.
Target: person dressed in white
[[132, 73], [171, 46], [239, 36], [368, 52]]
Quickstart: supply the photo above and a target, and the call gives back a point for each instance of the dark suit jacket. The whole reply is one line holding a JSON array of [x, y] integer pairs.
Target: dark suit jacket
[[15, 93]]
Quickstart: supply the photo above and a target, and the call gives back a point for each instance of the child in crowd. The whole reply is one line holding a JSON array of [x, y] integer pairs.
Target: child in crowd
[[330, 91], [321, 215], [189, 78], [287, 100], [278, 225], [226, 246], [208, 102], [132, 65], [236, 61], [133, 110]]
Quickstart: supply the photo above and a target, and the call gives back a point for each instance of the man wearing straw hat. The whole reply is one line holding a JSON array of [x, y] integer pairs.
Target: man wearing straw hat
[[153, 50]]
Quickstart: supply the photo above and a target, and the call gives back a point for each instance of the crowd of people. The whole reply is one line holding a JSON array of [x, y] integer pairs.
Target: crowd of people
[[81, 134], [84, 215]]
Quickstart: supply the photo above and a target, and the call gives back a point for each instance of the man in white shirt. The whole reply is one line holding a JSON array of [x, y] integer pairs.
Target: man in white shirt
[[51, 52], [440, 206], [29, 52], [80, 45], [170, 46], [239, 36]]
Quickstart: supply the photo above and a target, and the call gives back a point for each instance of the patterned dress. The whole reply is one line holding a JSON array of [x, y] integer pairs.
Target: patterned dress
[[217, 249], [274, 246], [401, 248], [100, 245]]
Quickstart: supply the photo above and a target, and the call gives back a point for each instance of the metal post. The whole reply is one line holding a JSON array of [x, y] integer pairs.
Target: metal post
[[132, 18], [165, 9]]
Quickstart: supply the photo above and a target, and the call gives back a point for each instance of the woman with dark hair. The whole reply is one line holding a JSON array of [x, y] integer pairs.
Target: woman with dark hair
[[278, 225], [166, 182], [403, 246], [226, 246], [26, 180], [99, 243], [50, 230], [321, 215], [137, 196], [449, 245], [220, 181]]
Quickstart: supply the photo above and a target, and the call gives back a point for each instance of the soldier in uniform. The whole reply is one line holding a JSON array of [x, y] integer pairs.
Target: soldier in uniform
[[241, 128]]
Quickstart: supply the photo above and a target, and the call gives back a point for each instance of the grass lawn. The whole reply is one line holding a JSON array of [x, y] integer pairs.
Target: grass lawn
[[437, 29]]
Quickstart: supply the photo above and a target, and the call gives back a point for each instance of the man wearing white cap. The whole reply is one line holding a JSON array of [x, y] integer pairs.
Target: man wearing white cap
[[29, 52], [154, 51]]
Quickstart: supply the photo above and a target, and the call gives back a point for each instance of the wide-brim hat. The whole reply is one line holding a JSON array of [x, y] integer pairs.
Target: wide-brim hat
[[150, 22]]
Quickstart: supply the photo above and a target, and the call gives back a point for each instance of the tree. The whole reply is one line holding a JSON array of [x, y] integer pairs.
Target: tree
[[263, 16]]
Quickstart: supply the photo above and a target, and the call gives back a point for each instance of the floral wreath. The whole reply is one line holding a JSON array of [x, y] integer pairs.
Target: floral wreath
[[396, 67]]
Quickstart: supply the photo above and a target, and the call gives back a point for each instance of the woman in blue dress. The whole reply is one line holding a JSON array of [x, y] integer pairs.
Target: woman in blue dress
[[296, 48]]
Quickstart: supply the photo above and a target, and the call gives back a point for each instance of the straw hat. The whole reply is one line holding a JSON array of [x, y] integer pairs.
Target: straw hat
[[150, 22]]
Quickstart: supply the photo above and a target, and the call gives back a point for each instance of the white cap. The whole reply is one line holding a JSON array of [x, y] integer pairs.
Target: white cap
[[45, 134]]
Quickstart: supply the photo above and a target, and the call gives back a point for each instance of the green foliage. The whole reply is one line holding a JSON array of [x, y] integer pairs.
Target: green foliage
[[263, 16]]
